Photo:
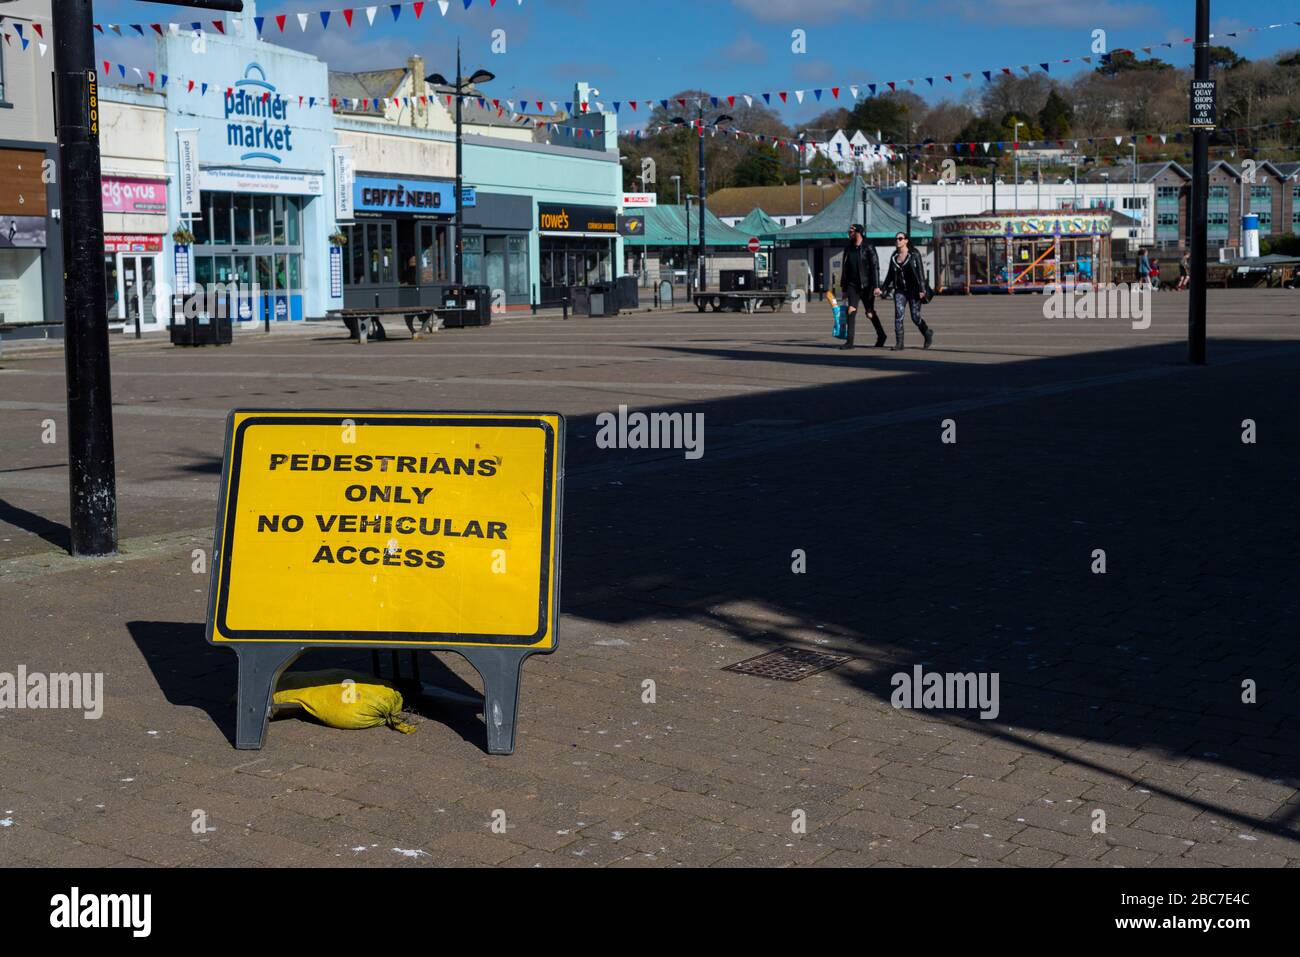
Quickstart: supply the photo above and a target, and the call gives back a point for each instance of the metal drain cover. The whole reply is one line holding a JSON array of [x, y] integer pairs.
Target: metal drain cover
[[788, 664]]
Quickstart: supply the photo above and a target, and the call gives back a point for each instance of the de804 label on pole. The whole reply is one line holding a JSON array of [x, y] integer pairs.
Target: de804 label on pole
[[428, 529]]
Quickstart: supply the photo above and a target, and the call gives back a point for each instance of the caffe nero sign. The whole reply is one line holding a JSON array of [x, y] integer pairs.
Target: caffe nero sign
[[377, 195], [564, 218]]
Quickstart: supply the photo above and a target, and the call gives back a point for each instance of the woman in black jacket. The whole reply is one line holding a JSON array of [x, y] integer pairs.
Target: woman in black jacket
[[906, 284]]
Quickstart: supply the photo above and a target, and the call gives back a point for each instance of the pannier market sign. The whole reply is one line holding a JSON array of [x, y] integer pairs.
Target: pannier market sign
[[255, 118]]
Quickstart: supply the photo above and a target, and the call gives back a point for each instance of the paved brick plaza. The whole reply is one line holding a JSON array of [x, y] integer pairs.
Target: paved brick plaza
[[1119, 692]]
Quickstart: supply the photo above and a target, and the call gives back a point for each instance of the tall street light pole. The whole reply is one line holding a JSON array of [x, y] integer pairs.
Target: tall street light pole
[[1015, 160], [1199, 199], [92, 483], [677, 182], [479, 76], [700, 128]]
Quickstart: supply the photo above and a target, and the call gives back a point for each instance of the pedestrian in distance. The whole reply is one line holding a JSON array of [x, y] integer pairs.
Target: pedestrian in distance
[[860, 284], [1144, 268], [907, 285], [1155, 274], [1184, 272]]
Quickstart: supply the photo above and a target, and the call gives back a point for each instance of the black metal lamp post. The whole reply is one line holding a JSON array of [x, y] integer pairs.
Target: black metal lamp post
[[1199, 199], [679, 121], [479, 76], [92, 483]]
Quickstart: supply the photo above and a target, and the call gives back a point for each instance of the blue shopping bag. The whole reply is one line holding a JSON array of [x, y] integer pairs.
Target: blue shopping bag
[[841, 328]]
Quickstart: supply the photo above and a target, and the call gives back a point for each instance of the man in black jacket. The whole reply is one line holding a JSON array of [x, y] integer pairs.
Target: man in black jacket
[[860, 281]]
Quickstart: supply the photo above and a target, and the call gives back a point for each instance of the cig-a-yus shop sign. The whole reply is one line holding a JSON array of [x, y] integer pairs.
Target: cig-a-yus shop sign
[[256, 118]]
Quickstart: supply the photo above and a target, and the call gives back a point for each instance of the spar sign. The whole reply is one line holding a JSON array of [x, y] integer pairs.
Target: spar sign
[[415, 530]]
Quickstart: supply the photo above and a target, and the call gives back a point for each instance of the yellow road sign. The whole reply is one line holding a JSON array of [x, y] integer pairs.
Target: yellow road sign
[[427, 529]]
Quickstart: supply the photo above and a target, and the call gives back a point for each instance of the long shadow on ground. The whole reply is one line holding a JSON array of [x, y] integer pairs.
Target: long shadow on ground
[[974, 556]]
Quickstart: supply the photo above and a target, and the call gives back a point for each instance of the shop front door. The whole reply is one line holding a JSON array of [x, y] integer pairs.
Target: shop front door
[[138, 290]]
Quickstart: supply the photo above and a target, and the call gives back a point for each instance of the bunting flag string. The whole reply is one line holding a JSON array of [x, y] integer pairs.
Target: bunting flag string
[[890, 151], [280, 23], [159, 82]]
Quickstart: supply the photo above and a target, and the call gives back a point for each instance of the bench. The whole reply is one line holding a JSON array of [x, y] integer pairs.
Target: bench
[[365, 324], [748, 302]]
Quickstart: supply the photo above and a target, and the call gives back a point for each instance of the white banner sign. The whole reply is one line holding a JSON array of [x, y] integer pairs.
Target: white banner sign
[[344, 178], [262, 181], [187, 143], [640, 199]]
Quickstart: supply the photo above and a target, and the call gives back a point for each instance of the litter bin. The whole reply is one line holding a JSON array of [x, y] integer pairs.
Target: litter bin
[[628, 295], [465, 306], [478, 306], [604, 299], [737, 280], [182, 331]]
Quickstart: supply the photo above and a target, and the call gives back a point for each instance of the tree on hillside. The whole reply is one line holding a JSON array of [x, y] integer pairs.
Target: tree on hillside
[[1224, 58], [1024, 95], [762, 166], [892, 116], [1126, 61], [944, 121], [1056, 116]]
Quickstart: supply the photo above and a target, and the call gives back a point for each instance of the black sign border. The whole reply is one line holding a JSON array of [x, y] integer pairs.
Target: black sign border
[[223, 533]]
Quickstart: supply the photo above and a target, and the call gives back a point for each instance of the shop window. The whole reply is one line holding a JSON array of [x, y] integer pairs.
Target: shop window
[[242, 207], [203, 275], [278, 227], [494, 262], [202, 225], [110, 285], [356, 253], [517, 266], [293, 216], [263, 207], [408, 259], [471, 260], [433, 256], [220, 219]]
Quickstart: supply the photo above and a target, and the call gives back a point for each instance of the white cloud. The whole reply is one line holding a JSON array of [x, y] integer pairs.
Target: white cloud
[[745, 49], [804, 11], [1103, 14]]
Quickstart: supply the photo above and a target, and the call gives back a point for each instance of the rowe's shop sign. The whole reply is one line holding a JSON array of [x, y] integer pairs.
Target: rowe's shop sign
[[563, 218]]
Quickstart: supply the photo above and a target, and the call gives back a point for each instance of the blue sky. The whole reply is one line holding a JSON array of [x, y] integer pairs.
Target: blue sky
[[638, 50]]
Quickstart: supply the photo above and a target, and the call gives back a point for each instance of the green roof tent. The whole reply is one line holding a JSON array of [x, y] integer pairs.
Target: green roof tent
[[666, 226], [758, 223], [881, 220]]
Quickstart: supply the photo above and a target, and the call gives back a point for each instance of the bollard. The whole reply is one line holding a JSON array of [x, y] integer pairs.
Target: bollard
[[566, 307], [534, 305]]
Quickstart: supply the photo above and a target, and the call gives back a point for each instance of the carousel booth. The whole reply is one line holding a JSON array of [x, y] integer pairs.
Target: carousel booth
[[992, 252]]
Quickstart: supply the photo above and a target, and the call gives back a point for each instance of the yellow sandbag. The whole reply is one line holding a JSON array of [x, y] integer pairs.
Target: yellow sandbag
[[344, 699]]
